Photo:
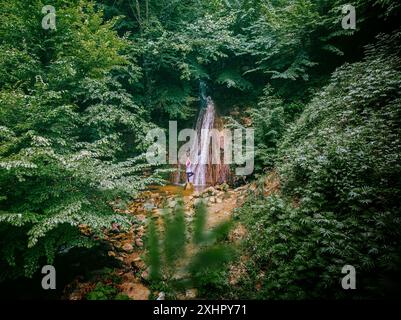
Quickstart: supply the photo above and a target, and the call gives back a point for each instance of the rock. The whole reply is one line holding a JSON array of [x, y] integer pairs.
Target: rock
[[111, 254], [188, 186], [210, 191], [76, 295], [145, 275], [196, 194], [191, 293], [172, 204], [189, 212], [212, 200], [219, 200], [141, 218], [140, 230], [199, 201], [115, 227], [127, 247], [222, 187], [135, 290], [161, 296], [138, 242], [238, 233], [148, 206], [138, 263], [158, 212]]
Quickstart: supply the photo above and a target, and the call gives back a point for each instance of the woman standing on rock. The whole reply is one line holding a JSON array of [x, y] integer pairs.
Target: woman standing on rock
[[188, 170]]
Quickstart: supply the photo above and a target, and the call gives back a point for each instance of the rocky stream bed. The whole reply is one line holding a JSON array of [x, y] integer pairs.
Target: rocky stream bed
[[127, 247]]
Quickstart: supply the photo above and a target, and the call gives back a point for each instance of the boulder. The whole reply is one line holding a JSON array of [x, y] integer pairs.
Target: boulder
[[139, 242], [149, 206], [191, 294], [189, 186], [210, 191], [161, 296], [223, 187], [145, 275], [140, 230], [172, 204], [127, 247]]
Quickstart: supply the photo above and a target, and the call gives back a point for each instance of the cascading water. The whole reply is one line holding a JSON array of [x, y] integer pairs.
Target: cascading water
[[201, 147], [205, 172]]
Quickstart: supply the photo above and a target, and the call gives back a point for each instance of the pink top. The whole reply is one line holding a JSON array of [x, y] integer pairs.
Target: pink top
[[188, 165]]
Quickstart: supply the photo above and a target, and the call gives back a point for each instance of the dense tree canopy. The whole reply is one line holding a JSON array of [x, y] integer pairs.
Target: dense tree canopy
[[65, 122], [340, 174]]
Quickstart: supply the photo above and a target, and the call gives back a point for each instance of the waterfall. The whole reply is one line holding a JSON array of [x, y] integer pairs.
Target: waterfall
[[205, 172], [202, 146]]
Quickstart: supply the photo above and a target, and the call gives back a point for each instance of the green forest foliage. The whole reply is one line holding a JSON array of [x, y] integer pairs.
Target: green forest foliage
[[64, 123], [236, 46], [340, 172], [176, 264], [76, 104]]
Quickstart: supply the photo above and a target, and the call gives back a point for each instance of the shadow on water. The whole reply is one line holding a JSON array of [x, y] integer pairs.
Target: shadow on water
[[76, 263]]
